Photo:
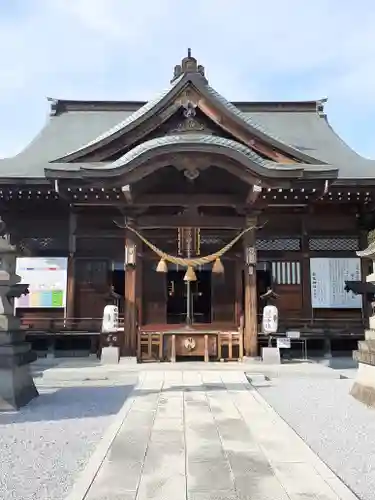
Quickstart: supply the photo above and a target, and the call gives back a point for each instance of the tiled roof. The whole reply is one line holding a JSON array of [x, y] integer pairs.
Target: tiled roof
[[188, 138], [200, 81], [132, 118], [305, 132], [248, 120], [195, 141]]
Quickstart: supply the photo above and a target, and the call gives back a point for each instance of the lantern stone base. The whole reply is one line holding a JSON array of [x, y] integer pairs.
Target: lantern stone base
[[364, 385], [17, 386], [363, 388], [110, 355], [128, 360], [271, 356]]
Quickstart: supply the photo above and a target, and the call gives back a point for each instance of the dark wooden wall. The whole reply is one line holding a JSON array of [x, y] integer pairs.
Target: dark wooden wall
[[154, 293], [292, 238], [98, 241], [224, 294]]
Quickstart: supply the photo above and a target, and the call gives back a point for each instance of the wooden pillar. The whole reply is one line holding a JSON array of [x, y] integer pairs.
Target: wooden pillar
[[250, 305], [307, 311], [173, 349], [139, 284], [239, 296], [70, 292], [206, 356], [129, 341]]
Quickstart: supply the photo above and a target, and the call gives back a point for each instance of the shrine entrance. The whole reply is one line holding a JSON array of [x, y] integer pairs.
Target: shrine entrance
[[193, 297]]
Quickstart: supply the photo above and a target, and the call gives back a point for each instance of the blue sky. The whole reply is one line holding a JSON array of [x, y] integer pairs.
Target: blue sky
[[126, 49]]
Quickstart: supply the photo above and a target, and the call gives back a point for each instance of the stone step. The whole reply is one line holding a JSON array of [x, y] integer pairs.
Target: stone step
[[370, 334], [366, 345], [364, 357]]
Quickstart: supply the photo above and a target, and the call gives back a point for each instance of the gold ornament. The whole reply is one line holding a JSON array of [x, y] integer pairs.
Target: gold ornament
[[190, 344]]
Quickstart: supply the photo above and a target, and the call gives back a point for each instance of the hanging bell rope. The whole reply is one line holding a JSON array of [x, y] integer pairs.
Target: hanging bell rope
[[190, 262]]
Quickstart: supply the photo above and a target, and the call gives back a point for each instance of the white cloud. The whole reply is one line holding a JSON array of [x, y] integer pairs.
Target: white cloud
[[127, 49]]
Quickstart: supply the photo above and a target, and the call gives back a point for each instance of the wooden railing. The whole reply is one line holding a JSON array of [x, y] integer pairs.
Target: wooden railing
[[61, 325], [93, 325], [151, 345], [312, 325]]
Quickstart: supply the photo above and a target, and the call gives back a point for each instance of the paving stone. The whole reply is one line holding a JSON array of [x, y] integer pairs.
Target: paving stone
[[168, 459], [212, 495], [340, 489], [249, 463], [207, 448], [130, 445], [164, 467], [118, 476], [170, 411], [234, 429], [110, 495], [131, 451], [299, 478], [156, 487], [206, 429], [206, 453], [278, 451], [260, 488], [205, 436], [244, 446], [167, 435], [167, 423], [223, 409], [209, 475], [197, 404]]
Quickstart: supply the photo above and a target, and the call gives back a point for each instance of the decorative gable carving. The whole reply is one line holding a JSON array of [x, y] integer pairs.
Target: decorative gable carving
[[189, 121]]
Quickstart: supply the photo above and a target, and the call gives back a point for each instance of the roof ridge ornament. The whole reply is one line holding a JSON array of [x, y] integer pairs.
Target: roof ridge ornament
[[320, 106], [188, 65], [54, 106]]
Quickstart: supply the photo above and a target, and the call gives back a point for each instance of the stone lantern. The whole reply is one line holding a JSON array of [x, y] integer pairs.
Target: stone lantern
[[363, 388], [16, 383]]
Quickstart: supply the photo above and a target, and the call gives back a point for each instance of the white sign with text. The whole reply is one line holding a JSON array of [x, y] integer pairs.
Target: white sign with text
[[328, 276]]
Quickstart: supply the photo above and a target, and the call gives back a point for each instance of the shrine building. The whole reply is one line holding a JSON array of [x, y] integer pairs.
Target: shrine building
[[258, 195]]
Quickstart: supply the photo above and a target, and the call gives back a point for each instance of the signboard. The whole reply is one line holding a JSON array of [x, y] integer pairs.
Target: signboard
[[328, 276], [283, 343], [47, 278]]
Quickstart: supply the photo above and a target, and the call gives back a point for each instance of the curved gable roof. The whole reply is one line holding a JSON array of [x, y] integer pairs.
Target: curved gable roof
[[199, 143], [155, 105], [301, 130]]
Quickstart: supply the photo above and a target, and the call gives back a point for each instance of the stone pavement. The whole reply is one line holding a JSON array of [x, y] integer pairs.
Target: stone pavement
[[205, 435]]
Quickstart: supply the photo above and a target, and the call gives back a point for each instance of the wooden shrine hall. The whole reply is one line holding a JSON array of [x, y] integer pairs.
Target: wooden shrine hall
[[183, 211]]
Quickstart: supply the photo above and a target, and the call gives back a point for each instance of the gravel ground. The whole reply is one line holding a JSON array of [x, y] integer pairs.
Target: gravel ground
[[336, 426], [44, 446]]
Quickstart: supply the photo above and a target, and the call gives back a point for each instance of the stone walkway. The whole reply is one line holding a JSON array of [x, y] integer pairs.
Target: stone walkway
[[208, 435]]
